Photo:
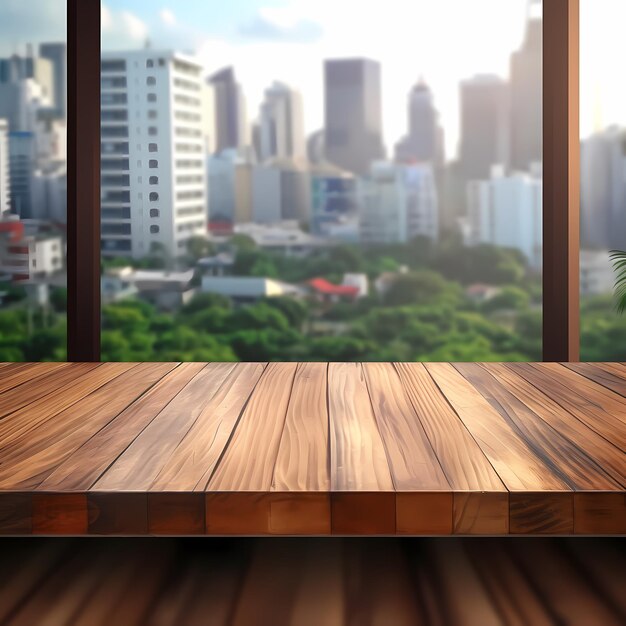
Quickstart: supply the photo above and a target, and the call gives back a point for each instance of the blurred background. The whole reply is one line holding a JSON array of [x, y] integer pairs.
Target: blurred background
[[308, 180], [317, 582]]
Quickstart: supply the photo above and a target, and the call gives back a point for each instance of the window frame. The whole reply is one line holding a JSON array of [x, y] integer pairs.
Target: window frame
[[561, 180]]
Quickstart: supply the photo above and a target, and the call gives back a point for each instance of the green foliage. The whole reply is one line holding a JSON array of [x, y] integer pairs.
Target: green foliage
[[618, 257]]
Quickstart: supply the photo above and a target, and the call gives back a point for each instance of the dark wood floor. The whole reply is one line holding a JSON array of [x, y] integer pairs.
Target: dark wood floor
[[312, 448], [312, 582]]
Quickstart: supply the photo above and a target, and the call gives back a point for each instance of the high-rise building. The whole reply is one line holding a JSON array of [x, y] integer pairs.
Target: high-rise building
[[398, 203], [603, 190], [506, 211], [230, 189], [56, 53], [17, 68], [484, 125], [526, 97], [281, 124], [281, 190], [21, 170], [424, 140], [153, 185], [230, 111], [353, 113], [5, 180]]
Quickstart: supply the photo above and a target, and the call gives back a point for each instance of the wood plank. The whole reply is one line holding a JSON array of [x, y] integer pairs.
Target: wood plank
[[481, 504], [565, 459], [605, 454], [137, 467], [596, 393], [31, 458], [600, 375], [548, 499], [83, 467], [41, 385], [362, 498], [425, 504], [19, 373], [244, 475], [302, 462], [15, 426], [574, 400], [192, 462]]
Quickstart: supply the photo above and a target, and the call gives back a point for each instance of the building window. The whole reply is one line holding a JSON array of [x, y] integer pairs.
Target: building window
[[152, 114], [152, 147], [149, 63], [152, 130], [153, 163], [155, 213], [154, 229], [154, 180], [154, 196], [152, 97], [161, 62], [150, 81]]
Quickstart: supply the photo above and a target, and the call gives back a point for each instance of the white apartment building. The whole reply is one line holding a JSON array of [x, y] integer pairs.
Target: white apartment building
[[153, 188], [506, 211], [397, 203], [5, 189]]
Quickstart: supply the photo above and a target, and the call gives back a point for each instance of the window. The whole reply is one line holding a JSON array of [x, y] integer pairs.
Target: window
[[602, 179], [112, 66], [33, 182], [149, 63], [154, 229], [423, 199]]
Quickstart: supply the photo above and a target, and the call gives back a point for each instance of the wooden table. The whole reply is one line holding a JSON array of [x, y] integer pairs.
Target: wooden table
[[312, 448]]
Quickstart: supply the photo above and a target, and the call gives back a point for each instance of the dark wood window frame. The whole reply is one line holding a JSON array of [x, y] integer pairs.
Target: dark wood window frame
[[561, 180]]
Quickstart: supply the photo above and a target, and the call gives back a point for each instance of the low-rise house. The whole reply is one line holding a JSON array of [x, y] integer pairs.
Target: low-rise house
[[246, 289]]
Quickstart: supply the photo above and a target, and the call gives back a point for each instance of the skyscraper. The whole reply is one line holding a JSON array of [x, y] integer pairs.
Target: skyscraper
[[424, 140], [5, 202], [56, 53], [281, 124], [484, 125], [603, 190], [153, 185], [526, 97], [353, 115], [230, 111]]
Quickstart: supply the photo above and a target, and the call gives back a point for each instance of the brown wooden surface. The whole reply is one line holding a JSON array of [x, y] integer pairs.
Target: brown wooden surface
[[313, 582], [312, 449]]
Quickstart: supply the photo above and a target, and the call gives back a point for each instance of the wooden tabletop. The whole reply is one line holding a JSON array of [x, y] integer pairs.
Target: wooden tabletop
[[312, 448]]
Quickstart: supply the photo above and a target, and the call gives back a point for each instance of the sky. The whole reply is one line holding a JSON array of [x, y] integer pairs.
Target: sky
[[443, 41]]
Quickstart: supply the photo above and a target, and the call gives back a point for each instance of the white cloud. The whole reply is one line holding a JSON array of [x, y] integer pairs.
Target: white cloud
[[167, 17], [122, 29]]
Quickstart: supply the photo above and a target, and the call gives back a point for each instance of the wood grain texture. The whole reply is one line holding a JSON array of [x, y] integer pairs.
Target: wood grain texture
[[480, 498], [576, 400], [601, 375], [313, 449], [137, 467], [358, 461]]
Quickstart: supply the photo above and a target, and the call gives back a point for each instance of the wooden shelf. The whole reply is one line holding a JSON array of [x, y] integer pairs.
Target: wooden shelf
[[312, 448]]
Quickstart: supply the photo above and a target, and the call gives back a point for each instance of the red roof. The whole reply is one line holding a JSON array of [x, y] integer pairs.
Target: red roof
[[321, 285]]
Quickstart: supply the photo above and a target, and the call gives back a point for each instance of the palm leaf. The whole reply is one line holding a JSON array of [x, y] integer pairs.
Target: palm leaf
[[618, 258]]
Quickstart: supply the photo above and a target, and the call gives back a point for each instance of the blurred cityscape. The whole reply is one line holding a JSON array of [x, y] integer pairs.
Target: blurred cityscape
[[232, 234]]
